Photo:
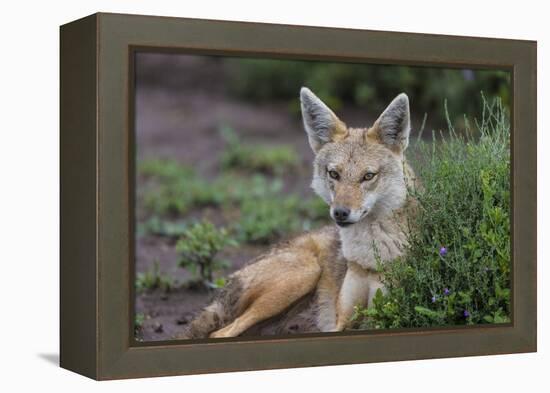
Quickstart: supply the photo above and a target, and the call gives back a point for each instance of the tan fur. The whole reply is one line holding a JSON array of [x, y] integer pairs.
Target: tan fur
[[337, 265]]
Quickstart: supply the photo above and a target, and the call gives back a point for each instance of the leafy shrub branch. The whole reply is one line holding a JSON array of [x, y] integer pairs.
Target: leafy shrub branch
[[198, 248], [457, 266]]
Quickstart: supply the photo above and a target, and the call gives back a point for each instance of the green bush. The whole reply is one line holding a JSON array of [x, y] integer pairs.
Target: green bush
[[273, 217], [198, 248], [158, 226], [255, 157], [171, 191], [177, 189], [165, 169], [268, 219], [237, 188], [179, 195], [153, 279], [315, 209], [139, 319], [366, 85], [456, 269]]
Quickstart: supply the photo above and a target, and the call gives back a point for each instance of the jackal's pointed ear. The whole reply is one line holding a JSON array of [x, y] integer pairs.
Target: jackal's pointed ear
[[394, 125], [321, 124]]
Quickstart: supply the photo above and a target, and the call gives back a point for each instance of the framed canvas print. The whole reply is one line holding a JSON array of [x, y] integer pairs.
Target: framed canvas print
[[241, 196]]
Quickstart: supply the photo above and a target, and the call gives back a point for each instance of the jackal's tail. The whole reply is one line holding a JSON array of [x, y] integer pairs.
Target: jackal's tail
[[222, 310]]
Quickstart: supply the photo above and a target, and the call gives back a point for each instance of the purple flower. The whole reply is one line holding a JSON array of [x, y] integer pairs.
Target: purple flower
[[442, 251], [446, 291], [433, 299], [466, 313]]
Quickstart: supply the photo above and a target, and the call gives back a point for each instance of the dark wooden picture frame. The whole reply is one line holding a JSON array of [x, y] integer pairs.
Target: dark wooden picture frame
[[97, 167]]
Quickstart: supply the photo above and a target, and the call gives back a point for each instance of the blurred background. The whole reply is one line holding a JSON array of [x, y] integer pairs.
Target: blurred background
[[223, 164]]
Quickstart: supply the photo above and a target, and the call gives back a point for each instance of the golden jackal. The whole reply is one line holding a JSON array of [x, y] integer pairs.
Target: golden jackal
[[361, 173]]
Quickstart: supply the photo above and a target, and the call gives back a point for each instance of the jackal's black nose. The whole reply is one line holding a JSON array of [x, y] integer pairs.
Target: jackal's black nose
[[340, 213]]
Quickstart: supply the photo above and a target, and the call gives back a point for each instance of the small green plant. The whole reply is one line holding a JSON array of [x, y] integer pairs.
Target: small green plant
[[220, 282], [165, 169], [139, 319], [256, 158], [198, 248], [236, 189], [167, 199], [178, 196], [158, 226], [154, 279], [315, 210], [273, 217], [456, 269], [266, 220], [169, 191], [177, 189]]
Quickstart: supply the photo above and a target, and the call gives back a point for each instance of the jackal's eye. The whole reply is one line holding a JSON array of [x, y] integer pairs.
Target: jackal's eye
[[369, 176], [334, 175]]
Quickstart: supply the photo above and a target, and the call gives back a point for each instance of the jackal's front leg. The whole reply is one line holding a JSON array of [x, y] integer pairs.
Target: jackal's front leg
[[358, 289]]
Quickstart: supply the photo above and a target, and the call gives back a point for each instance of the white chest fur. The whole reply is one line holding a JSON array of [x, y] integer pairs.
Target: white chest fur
[[366, 242]]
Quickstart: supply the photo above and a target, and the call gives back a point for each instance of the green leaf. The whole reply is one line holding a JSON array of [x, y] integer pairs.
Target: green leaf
[[426, 312]]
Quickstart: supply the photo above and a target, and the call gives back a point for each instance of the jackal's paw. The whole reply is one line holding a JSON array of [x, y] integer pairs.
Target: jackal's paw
[[340, 326], [220, 334]]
